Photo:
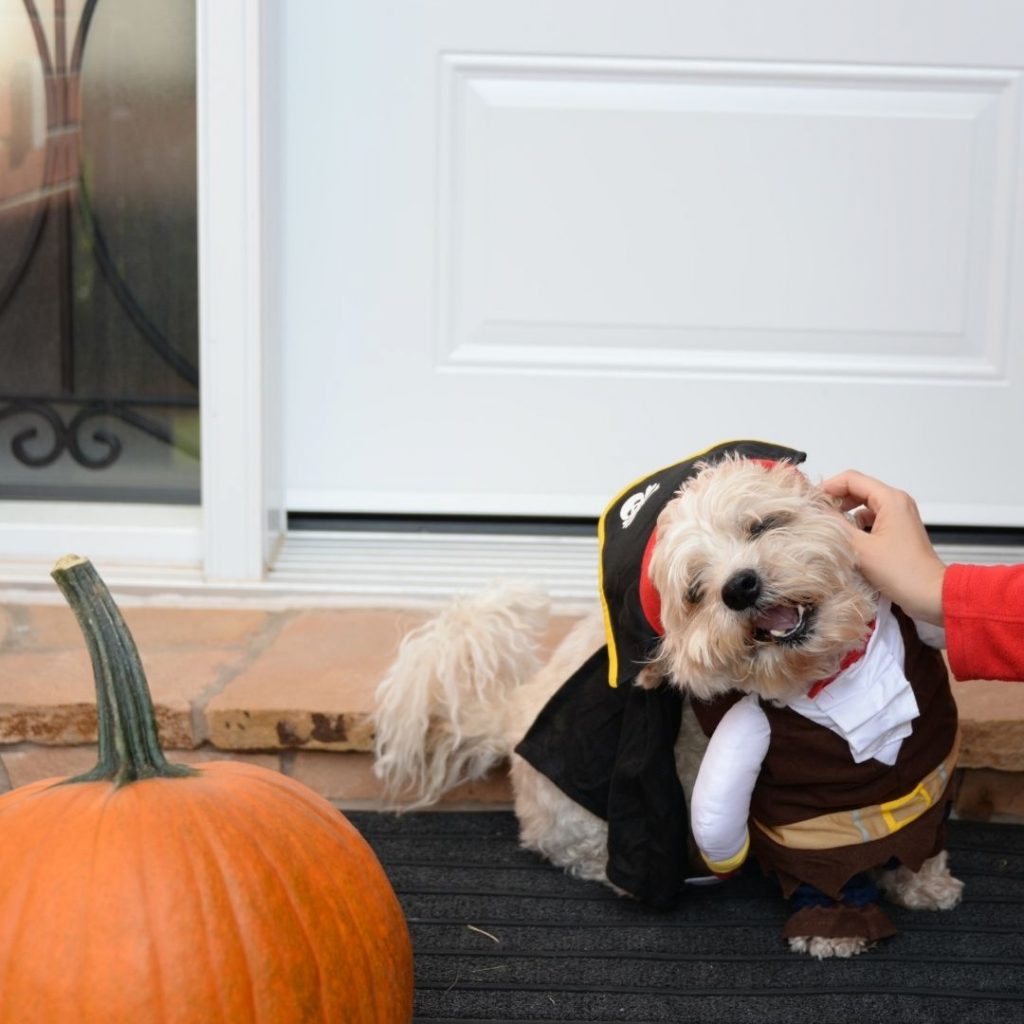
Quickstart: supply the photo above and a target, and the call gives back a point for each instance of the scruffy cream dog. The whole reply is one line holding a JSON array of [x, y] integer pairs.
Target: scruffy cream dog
[[833, 732]]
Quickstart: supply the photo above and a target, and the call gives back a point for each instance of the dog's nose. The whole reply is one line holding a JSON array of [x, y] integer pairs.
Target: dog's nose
[[741, 589]]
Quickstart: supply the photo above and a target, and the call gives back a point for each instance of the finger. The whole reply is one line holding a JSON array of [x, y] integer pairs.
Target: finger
[[837, 485], [856, 485]]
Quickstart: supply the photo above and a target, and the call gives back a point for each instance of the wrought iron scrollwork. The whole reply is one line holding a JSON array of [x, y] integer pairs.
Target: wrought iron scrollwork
[[20, 442], [68, 432], [55, 424]]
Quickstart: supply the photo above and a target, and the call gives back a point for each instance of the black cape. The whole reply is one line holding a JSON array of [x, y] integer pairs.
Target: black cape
[[608, 744]]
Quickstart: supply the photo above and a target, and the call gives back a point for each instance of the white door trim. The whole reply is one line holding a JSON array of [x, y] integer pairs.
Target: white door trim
[[243, 513]]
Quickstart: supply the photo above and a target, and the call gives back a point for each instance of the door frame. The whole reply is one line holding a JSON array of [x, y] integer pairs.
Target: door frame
[[243, 514]]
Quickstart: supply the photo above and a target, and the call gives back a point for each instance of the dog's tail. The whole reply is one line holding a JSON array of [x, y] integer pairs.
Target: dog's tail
[[442, 710]]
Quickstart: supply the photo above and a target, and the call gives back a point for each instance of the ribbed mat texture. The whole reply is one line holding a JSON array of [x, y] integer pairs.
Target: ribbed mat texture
[[500, 935]]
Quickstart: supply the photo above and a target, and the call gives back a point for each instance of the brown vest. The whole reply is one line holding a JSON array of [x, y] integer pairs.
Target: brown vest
[[809, 771]]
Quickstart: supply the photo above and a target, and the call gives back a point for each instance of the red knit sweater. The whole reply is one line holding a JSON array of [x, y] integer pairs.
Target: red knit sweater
[[983, 606]]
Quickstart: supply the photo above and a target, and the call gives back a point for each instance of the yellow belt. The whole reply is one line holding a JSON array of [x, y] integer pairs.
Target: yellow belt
[[843, 828]]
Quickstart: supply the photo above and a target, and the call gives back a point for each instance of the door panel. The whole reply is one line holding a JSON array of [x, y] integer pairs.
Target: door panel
[[532, 256]]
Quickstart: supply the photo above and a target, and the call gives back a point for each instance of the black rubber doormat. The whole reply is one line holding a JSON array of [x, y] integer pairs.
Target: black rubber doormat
[[500, 935]]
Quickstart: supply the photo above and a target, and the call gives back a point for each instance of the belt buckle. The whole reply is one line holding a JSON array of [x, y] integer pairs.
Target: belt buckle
[[920, 791]]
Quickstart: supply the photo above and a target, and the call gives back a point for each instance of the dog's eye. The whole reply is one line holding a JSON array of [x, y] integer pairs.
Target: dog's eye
[[769, 522], [695, 593]]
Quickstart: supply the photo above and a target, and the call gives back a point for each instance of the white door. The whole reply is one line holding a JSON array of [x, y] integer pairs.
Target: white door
[[533, 250]]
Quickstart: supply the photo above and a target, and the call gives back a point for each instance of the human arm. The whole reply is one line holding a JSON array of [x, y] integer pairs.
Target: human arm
[[984, 611], [720, 804]]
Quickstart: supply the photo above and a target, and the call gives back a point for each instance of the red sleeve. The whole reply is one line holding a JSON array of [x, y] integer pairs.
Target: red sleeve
[[983, 608]]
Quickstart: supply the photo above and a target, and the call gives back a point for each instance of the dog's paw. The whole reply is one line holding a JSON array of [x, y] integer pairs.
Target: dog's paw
[[824, 949], [931, 888]]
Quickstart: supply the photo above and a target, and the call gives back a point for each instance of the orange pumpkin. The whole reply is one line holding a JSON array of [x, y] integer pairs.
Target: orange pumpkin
[[161, 894]]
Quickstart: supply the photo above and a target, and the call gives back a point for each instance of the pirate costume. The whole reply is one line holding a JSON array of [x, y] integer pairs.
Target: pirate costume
[[609, 745]]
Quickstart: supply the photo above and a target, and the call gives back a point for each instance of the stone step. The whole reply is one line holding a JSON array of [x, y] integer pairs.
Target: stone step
[[293, 690]]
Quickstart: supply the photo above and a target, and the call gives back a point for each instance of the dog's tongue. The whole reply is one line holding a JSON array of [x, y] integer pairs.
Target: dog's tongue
[[780, 618]]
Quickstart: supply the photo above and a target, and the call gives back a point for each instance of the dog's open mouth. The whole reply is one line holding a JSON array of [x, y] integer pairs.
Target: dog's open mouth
[[783, 623]]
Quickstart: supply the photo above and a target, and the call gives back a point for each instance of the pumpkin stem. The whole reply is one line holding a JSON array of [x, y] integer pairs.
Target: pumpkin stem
[[128, 745]]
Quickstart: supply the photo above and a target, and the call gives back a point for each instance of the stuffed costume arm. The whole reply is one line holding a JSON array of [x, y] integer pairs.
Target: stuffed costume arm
[[720, 804]]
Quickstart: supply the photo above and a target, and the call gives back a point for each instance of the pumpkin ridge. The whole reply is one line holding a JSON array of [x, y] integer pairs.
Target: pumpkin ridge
[[339, 834], [23, 913], [157, 970], [327, 836], [279, 782], [286, 886], [97, 833], [227, 902], [349, 839], [237, 818], [283, 787], [98, 808], [187, 858], [336, 835]]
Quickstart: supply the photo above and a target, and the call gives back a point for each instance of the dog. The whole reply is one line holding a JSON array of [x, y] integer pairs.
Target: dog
[[832, 728]]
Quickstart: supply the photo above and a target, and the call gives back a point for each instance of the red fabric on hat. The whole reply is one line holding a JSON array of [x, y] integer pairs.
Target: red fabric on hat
[[650, 599]]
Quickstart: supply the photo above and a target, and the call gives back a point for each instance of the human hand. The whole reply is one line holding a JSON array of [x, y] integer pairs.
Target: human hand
[[896, 556]]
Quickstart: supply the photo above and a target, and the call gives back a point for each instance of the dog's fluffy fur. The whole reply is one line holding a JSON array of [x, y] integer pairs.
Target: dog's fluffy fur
[[467, 685]]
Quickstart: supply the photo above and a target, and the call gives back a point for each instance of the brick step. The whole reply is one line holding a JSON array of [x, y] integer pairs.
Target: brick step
[[292, 690]]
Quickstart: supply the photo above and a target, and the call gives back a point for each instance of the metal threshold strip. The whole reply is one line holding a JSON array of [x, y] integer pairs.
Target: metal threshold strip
[[433, 566]]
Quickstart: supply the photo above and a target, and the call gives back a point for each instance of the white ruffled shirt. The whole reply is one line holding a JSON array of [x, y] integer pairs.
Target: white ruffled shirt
[[871, 705]]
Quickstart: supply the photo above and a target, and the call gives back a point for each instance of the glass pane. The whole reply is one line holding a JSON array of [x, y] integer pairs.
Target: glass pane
[[99, 383]]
